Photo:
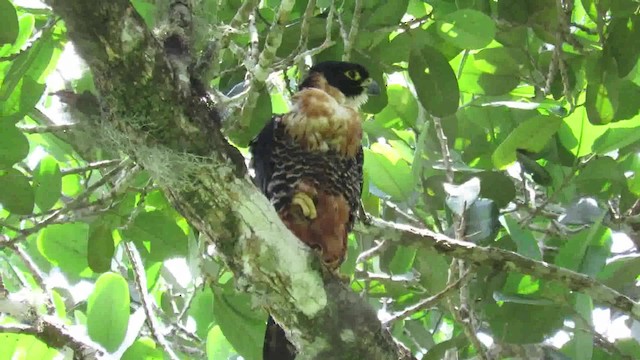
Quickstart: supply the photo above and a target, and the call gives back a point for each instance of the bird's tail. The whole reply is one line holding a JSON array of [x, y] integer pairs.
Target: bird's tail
[[276, 345]]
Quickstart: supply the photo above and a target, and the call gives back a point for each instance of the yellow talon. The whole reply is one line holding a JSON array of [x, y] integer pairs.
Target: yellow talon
[[306, 204]]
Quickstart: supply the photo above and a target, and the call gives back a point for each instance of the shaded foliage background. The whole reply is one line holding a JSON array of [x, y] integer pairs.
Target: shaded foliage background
[[510, 124]]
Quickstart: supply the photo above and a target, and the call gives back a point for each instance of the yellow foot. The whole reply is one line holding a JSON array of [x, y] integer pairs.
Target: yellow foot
[[306, 204]]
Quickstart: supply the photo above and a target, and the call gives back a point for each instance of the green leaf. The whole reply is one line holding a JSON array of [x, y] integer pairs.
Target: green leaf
[[218, 347], [602, 92], [402, 260], [467, 29], [600, 177], [242, 325], [620, 272], [575, 254], [23, 99], [524, 323], [622, 43], [65, 245], [147, 11], [583, 336], [143, 349], [435, 81], [9, 20], [14, 146], [531, 135], [101, 247], [160, 232], [32, 63], [202, 311], [401, 110], [16, 194], [577, 134], [262, 113], [47, 183], [497, 187], [388, 172], [616, 138], [524, 239], [108, 311], [433, 268]]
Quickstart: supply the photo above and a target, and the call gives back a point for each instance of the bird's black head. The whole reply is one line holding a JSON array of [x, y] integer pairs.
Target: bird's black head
[[351, 79]]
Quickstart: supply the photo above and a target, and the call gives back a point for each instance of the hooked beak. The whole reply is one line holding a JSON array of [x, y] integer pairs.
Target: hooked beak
[[372, 87]]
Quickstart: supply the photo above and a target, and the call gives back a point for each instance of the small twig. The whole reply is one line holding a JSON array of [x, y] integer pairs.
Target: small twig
[[254, 38], [36, 273], [430, 301], [55, 334], [444, 148], [41, 129], [140, 280], [353, 33], [90, 167], [368, 254]]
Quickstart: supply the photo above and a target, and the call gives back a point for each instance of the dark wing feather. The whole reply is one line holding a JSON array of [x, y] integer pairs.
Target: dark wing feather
[[261, 148]]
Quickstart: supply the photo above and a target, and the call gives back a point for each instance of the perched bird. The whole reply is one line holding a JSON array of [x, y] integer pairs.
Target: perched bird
[[308, 162]]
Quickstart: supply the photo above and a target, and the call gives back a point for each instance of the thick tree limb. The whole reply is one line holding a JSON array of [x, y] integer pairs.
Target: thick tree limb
[[506, 260], [176, 137]]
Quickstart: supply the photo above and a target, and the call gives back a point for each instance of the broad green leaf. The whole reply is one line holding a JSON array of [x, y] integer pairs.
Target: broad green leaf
[[600, 177], [575, 254], [21, 346], [241, 325], [65, 246], [108, 311], [147, 11], [160, 233], [435, 81], [467, 29], [577, 134], [388, 172], [202, 311], [143, 349], [21, 100], [583, 336], [524, 323], [35, 63], [498, 60], [16, 194], [101, 247], [628, 105], [260, 116], [47, 183], [402, 260], [9, 20], [497, 187], [617, 137], [602, 92], [524, 239], [620, 272], [531, 135], [622, 42], [401, 110], [14, 146], [433, 268], [490, 81], [218, 347]]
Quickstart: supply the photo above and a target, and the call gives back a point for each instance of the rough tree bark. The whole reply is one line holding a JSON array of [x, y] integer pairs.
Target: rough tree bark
[[167, 126]]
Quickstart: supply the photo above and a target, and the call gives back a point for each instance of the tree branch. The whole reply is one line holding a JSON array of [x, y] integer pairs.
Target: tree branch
[[505, 260], [177, 139]]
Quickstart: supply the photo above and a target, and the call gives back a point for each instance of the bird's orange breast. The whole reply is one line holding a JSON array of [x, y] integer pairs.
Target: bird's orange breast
[[321, 123]]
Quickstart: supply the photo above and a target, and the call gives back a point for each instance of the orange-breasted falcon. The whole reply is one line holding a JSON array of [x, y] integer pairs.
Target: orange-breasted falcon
[[308, 162]]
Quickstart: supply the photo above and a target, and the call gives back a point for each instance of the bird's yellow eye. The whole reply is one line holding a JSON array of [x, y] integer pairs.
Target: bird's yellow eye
[[353, 75]]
